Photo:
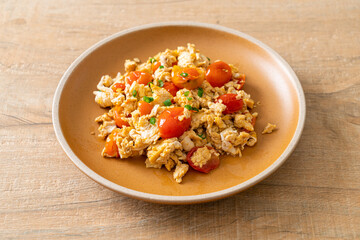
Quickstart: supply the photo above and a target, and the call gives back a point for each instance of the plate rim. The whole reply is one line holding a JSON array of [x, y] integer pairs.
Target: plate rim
[[168, 199]]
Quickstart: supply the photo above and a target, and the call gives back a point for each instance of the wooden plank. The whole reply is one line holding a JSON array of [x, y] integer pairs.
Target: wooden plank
[[316, 194]]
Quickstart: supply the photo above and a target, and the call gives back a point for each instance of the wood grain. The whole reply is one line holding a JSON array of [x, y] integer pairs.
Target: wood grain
[[315, 195]]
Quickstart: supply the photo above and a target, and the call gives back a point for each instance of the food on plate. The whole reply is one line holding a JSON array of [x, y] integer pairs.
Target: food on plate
[[178, 109], [203, 159], [269, 128]]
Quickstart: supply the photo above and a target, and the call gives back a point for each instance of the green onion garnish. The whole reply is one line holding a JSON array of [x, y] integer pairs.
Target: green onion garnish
[[208, 58], [200, 92], [134, 93], [202, 136], [186, 93], [161, 67], [148, 99], [184, 74], [150, 86], [189, 98], [167, 102], [152, 60], [152, 120], [188, 107], [161, 83]]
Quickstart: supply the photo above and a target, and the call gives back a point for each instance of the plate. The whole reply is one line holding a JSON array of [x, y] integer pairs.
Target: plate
[[270, 80]]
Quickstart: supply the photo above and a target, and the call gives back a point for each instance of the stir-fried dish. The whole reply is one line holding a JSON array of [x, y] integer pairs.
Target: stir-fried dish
[[179, 109]]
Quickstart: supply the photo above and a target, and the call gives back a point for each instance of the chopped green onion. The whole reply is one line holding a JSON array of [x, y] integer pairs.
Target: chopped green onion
[[186, 93], [152, 60], [189, 98], [134, 93], [188, 107], [148, 99], [184, 74], [208, 58], [152, 120], [200, 92], [202, 136], [167, 102], [161, 67], [150, 86], [161, 83]]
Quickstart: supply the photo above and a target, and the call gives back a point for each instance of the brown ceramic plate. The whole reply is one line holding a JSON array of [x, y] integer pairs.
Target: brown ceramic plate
[[270, 80]]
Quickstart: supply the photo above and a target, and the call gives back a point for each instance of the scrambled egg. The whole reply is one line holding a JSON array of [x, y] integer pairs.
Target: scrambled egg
[[202, 156], [269, 128], [226, 133]]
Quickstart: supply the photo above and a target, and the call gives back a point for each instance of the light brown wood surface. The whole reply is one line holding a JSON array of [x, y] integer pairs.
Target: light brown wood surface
[[314, 195]]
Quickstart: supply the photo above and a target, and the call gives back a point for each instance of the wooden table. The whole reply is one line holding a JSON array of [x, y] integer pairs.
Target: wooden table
[[315, 194]]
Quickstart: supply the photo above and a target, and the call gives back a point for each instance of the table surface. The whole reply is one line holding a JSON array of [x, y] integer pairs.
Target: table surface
[[315, 194]]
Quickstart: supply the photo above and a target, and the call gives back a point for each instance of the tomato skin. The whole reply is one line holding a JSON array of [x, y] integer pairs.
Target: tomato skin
[[155, 66], [218, 73], [111, 148], [171, 88], [213, 163], [118, 86], [138, 76], [253, 121], [189, 78], [232, 104], [145, 108], [118, 121], [241, 81], [169, 124]]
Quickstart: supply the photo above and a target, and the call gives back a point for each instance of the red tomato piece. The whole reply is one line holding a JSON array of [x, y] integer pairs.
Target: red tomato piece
[[118, 120], [155, 66], [232, 104], [218, 73], [140, 77], [171, 88], [111, 148], [213, 163], [169, 124], [145, 108], [116, 86], [241, 81], [189, 78], [253, 121]]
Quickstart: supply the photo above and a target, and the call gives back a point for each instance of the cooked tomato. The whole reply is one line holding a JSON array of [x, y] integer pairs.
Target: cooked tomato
[[241, 81], [116, 86], [253, 121], [171, 88], [213, 163], [140, 77], [145, 108], [232, 104], [155, 66], [189, 78], [111, 148], [169, 124], [118, 120], [218, 73]]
